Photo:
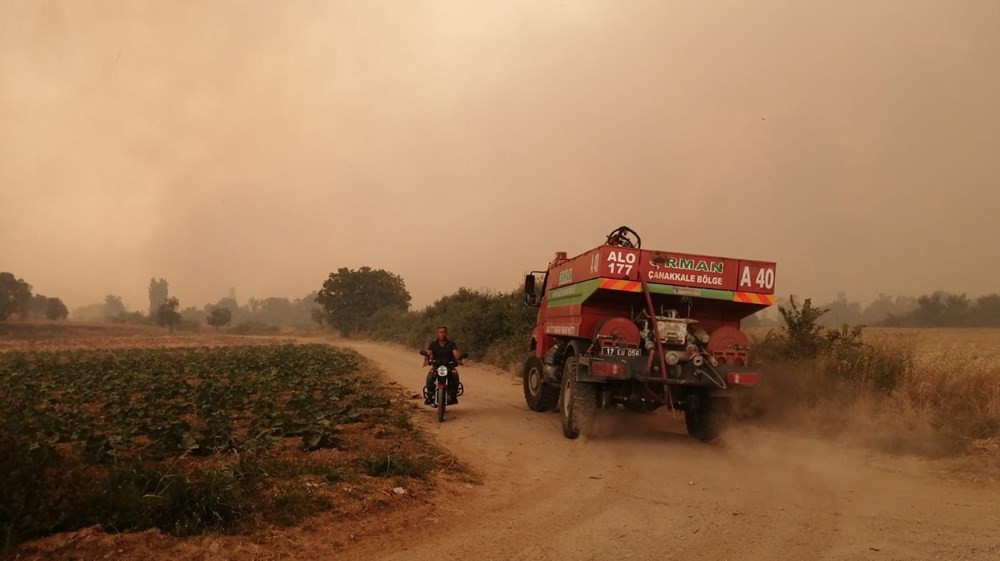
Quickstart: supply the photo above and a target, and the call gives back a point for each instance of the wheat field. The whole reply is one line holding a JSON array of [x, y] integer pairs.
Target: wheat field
[[944, 397]]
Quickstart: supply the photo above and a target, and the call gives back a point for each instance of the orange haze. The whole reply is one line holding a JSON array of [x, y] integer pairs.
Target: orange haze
[[261, 145]]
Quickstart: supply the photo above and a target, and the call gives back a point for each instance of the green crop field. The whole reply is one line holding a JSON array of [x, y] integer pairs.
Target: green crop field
[[161, 403], [192, 439]]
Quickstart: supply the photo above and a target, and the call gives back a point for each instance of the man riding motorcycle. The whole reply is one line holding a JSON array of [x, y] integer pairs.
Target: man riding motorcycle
[[442, 350]]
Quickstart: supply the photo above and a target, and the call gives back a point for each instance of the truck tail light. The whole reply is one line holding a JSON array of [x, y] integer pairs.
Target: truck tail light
[[743, 378], [616, 369]]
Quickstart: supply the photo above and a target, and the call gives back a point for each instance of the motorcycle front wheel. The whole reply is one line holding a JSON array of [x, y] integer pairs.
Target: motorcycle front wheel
[[442, 401]]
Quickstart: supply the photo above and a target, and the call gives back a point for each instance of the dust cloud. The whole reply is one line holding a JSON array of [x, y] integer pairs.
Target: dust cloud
[[261, 145]]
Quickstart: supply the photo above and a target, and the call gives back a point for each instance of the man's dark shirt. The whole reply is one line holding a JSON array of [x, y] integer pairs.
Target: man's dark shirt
[[442, 354]]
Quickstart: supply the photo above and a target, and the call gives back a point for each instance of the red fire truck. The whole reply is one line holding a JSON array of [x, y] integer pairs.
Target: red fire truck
[[642, 328]]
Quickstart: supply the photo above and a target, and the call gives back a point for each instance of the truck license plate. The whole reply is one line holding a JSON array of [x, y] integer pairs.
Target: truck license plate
[[619, 351]]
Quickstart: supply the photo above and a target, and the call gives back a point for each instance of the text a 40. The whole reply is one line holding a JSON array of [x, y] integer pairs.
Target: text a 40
[[763, 279]]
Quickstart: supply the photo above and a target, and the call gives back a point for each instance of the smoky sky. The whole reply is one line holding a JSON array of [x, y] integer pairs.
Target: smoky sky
[[262, 145]]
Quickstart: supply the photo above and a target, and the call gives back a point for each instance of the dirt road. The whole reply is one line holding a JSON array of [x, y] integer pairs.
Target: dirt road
[[642, 489]]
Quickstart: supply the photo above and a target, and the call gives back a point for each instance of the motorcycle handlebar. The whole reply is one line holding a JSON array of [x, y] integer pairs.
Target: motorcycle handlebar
[[436, 363], [451, 362]]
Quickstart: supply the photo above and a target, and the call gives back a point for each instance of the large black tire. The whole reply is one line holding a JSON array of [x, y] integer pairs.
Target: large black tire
[[538, 395], [578, 402], [442, 401], [709, 420]]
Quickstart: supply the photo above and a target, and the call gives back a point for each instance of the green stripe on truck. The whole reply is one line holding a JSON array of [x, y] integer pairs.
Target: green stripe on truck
[[572, 294]]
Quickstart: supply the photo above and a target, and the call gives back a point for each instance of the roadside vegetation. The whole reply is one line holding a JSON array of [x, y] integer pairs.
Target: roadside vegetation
[[492, 327], [889, 389]]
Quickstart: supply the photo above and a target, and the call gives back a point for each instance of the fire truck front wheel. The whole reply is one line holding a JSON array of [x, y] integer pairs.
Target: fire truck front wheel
[[538, 395], [577, 401]]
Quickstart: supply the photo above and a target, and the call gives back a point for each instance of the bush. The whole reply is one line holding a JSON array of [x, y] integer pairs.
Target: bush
[[801, 336], [493, 327], [37, 490], [42, 493], [806, 363], [136, 496], [509, 353]]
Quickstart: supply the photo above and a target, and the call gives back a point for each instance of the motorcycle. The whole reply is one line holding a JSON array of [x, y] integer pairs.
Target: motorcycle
[[442, 372]]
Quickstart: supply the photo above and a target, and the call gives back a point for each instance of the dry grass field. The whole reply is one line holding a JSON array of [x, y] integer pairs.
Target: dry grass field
[[63, 335], [941, 394]]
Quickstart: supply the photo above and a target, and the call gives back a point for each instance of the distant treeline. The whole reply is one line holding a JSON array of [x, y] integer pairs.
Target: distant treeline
[[254, 315], [487, 321], [275, 311], [940, 309], [17, 298]]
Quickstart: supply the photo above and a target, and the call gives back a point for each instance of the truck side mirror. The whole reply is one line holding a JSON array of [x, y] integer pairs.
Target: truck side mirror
[[530, 294]]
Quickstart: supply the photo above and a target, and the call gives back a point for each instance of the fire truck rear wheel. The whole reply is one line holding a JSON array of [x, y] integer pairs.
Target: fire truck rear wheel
[[577, 401], [538, 395], [709, 420]]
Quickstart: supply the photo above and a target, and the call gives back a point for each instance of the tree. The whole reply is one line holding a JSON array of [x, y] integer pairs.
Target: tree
[[191, 317], [957, 310], [113, 307], [236, 313], [167, 315], [318, 315], [219, 317], [158, 294], [988, 310], [55, 309], [39, 303], [274, 310], [350, 297], [15, 296], [878, 310], [930, 310], [90, 312], [842, 311], [227, 302]]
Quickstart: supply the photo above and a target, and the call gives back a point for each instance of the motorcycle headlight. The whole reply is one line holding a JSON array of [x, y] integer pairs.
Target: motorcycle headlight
[[442, 370]]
